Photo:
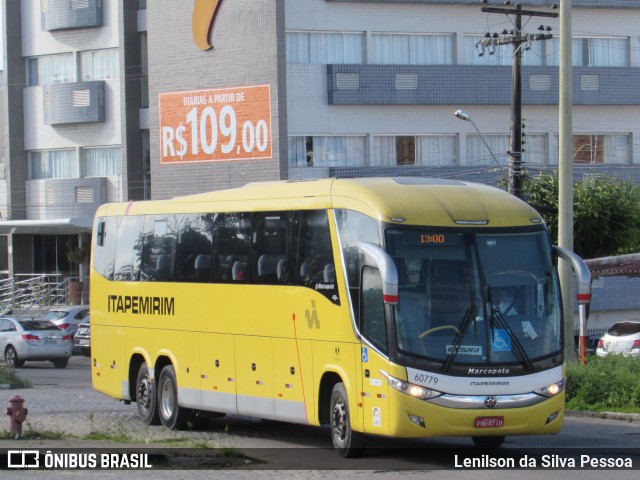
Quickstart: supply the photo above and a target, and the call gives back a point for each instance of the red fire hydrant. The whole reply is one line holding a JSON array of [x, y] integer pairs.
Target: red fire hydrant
[[17, 415]]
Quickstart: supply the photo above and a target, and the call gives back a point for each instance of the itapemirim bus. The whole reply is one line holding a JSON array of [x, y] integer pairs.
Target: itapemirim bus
[[401, 307]]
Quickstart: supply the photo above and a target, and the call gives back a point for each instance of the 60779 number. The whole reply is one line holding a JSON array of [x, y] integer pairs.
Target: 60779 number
[[425, 379]]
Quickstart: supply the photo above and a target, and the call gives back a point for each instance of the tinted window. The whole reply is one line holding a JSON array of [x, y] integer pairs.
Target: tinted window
[[624, 328], [128, 248], [373, 318], [312, 264], [160, 238], [38, 325], [195, 247], [270, 259], [104, 247], [232, 233]]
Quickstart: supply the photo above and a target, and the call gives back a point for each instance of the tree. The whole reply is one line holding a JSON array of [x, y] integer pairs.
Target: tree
[[606, 213]]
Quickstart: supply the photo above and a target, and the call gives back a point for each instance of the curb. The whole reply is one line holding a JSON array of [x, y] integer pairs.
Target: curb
[[624, 417]]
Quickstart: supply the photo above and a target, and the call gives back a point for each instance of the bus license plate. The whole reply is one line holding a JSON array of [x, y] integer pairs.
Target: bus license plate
[[489, 422]]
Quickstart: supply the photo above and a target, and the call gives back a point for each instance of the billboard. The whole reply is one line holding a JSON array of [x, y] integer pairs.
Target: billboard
[[215, 125]]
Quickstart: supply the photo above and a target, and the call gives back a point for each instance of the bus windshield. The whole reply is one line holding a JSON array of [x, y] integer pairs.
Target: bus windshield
[[474, 298]]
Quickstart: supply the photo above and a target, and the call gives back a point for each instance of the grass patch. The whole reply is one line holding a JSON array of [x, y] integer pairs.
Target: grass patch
[[34, 432], [116, 433], [8, 376], [604, 384]]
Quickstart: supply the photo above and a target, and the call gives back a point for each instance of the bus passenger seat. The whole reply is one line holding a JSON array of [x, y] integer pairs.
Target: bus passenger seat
[[203, 267], [164, 270], [239, 271], [282, 270], [268, 266]]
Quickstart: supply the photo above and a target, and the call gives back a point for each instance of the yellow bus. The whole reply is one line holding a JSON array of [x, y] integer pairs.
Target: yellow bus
[[399, 307]]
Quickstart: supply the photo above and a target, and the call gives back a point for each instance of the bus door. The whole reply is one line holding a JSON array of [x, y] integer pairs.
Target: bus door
[[372, 319]]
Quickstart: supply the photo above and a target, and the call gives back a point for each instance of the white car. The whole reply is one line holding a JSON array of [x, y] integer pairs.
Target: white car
[[68, 318], [622, 338]]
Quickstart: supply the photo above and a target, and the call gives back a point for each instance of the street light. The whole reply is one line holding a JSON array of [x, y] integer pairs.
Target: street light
[[462, 115]]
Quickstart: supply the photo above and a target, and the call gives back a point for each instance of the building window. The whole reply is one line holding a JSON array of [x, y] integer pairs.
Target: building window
[[479, 154], [102, 161], [610, 148], [46, 164], [412, 49], [51, 69], [434, 150], [99, 64], [326, 151], [325, 47], [476, 54], [594, 51]]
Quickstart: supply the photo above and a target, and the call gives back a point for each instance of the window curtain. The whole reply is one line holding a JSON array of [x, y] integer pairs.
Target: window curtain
[[384, 151], [438, 150], [477, 153], [617, 149], [325, 47], [102, 162], [56, 69], [53, 164], [100, 64]]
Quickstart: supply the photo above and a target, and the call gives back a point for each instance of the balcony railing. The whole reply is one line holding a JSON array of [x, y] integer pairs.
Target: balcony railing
[[35, 294]]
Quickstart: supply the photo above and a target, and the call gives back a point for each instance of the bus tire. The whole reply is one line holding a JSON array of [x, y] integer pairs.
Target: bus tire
[[146, 398], [488, 442], [172, 415], [347, 443]]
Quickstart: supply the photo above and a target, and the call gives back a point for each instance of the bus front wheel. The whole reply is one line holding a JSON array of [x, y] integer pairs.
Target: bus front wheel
[[348, 444], [172, 415], [146, 399]]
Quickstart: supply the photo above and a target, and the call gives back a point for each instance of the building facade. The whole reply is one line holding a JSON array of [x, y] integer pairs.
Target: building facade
[[123, 100], [75, 132]]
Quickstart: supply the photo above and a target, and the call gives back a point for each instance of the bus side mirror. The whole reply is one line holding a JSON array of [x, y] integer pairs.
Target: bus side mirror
[[388, 271], [581, 272]]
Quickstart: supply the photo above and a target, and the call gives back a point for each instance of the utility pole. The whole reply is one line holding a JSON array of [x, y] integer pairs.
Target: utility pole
[[519, 41]]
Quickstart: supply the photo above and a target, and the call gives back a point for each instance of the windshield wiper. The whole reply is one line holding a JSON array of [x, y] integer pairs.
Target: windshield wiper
[[518, 349], [469, 314]]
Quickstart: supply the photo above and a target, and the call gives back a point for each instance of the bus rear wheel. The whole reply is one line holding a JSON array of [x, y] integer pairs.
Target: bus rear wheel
[[172, 415], [348, 444], [146, 399], [488, 442]]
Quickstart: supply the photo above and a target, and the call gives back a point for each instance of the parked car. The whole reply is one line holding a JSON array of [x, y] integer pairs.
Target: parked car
[[82, 338], [622, 338], [22, 340], [68, 318]]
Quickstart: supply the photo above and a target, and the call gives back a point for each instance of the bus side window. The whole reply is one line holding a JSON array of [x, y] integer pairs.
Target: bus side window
[[232, 243], [312, 263], [194, 248], [269, 249], [159, 250], [128, 248], [104, 255], [373, 325]]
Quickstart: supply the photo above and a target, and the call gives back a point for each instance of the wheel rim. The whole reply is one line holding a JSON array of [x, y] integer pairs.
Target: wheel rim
[[340, 420], [168, 399], [10, 357], [144, 393]]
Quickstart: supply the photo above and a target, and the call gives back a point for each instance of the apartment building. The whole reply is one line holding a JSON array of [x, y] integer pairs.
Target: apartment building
[[75, 123], [122, 100]]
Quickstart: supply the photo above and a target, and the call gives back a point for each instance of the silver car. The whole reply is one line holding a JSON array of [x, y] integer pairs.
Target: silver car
[[622, 338], [22, 340], [68, 318]]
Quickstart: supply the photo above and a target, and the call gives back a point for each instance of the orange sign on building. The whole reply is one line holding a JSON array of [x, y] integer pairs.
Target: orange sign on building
[[215, 125], [204, 12]]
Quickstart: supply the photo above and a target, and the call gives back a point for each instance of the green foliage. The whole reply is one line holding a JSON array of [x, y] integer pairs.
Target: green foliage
[[606, 213], [604, 384]]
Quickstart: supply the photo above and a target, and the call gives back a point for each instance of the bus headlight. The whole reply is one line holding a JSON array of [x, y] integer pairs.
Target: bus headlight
[[552, 390], [411, 389]]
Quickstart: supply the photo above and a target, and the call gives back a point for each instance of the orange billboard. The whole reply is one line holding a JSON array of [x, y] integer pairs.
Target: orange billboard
[[215, 125]]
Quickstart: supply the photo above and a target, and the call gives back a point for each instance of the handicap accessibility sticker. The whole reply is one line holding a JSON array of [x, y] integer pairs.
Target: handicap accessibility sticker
[[500, 340], [365, 354]]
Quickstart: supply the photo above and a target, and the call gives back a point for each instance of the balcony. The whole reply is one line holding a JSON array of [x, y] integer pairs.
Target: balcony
[[70, 14], [65, 197], [81, 102]]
